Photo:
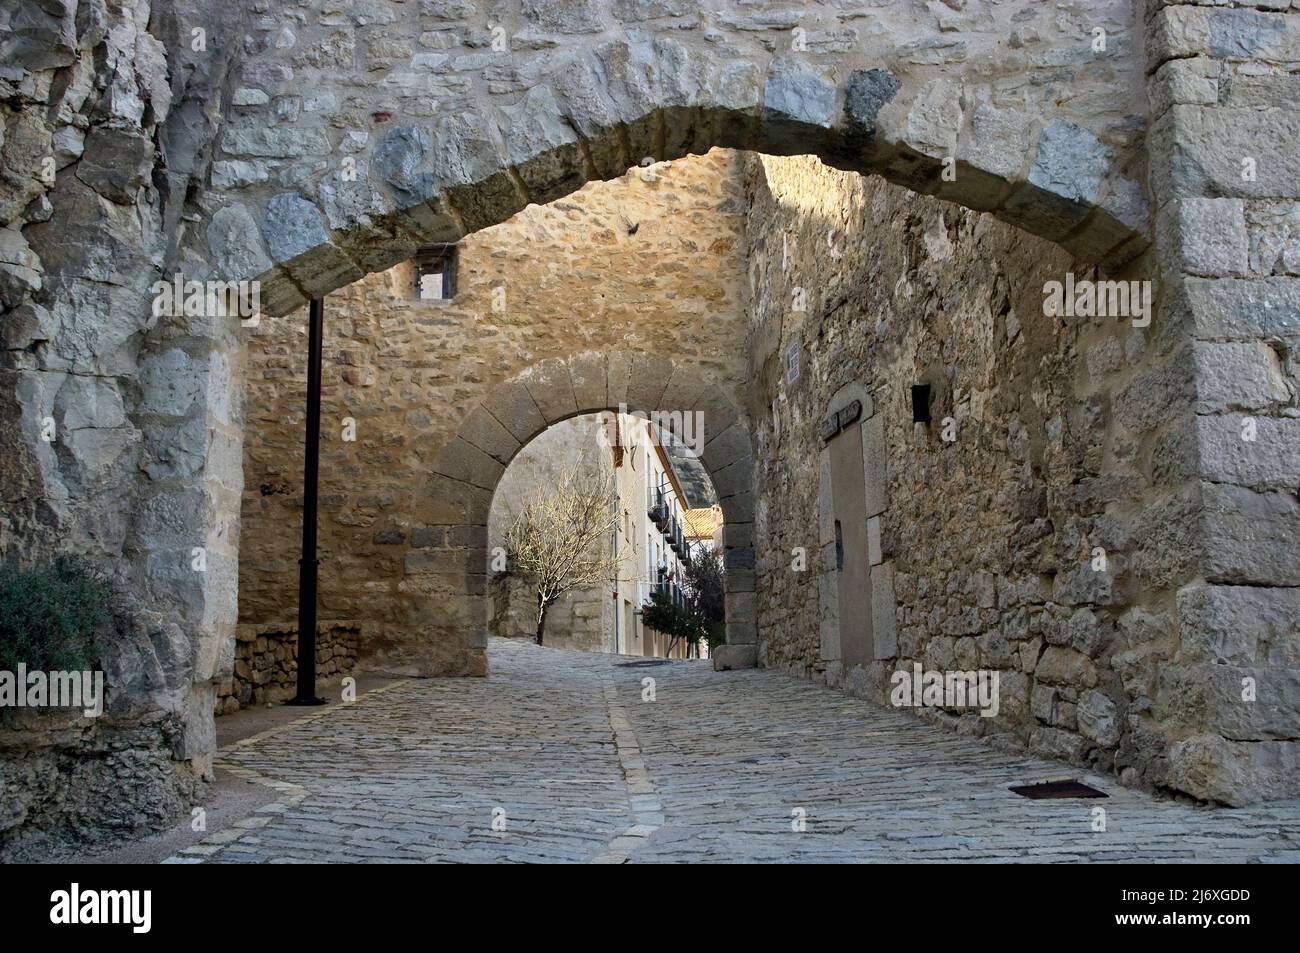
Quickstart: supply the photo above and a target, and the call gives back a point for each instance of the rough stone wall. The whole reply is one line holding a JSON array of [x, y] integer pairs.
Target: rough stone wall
[[107, 120], [265, 670], [650, 262], [990, 539], [450, 135]]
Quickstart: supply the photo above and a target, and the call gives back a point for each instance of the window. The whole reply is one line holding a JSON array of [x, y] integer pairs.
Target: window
[[435, 273], [920, 403]]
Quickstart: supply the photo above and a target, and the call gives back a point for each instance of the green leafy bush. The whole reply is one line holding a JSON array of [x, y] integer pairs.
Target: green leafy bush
[[50, 615], [706, 600], [665, 616]]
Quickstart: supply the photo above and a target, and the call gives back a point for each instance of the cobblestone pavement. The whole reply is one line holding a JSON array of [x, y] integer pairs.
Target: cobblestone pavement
[[560, 750]]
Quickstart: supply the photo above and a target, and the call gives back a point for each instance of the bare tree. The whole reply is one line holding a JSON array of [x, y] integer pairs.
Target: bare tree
[[563, 536]]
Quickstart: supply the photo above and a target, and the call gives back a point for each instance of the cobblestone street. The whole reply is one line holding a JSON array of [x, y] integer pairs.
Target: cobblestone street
[[559, 750]]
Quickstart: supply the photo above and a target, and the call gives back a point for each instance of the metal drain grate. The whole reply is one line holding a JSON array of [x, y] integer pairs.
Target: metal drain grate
[[662, 661], [1057, 789]]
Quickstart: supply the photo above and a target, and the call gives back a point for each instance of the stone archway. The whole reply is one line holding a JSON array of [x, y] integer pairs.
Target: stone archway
[[467, 468], [376, 172], [305, 194], [423, 122]]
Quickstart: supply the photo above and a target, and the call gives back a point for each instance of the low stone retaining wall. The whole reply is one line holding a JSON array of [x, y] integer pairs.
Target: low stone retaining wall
[[266, 666]]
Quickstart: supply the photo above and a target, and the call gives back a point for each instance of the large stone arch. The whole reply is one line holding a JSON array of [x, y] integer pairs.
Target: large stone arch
[[449, 603], [309, 192], [311, 148], [306, 164]]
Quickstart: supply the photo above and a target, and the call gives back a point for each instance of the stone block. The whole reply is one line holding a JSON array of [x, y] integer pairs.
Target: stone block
[[1250, 538], [1198, 151], [1064, 666], [934, 120], [1098, 719], [647, 379], [728, 657], [513, 406], [726, 447], [542, 146], [1237, 376], [1271, 460], [587, 374], [1208, 236], [874, 555], [741, 633], [1064, 183], [884, 612], [1240, 625], [741, 607], [874, 466], [736, 478], [551, 388], [738, 507], [865, 94], [1237, 773], [684, 388], [488, 434], [463, 461], [1243, 310], [796, 101], [738, 534], [292, 226]]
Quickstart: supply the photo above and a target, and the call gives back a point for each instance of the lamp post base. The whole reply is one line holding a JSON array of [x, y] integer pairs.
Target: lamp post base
[[306, 701]]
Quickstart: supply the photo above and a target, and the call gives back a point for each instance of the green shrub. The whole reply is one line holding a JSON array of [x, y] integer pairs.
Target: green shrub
[[50, 615]]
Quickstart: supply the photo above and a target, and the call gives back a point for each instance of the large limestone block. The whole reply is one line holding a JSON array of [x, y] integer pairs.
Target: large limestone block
[[513, 406], [551, 389], [729, 657], [461, 460], [1240, 625]]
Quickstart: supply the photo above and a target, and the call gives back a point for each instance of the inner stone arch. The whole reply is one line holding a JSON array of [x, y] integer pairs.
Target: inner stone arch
[[467, 469], [443, 393]]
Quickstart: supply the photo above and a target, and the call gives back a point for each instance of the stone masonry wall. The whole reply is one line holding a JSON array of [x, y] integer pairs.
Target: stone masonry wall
[[1225, 177], [108, 114], [650, 262], [132, 151], [989, 539], [265, 670]]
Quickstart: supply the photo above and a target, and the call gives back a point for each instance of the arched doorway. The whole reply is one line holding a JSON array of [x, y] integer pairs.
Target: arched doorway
[[469, 467]]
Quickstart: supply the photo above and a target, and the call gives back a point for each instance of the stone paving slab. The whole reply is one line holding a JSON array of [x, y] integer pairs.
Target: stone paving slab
[[558, 757]]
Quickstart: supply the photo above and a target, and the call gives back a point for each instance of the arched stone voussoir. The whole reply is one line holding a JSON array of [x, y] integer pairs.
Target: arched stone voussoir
[[647, 379], [543, 147], [484, 431], [551, 388], [297, 241], [513, 406], [461, 460], [738, 506], [453, 502], [369, 171], [732, 444], [588, 373], [737, 477], [684, 389]]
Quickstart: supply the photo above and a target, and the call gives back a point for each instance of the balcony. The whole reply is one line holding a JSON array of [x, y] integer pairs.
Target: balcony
[[658, 512]]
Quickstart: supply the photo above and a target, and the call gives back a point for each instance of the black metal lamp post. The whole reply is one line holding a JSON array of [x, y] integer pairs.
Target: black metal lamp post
[[308, 565]]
